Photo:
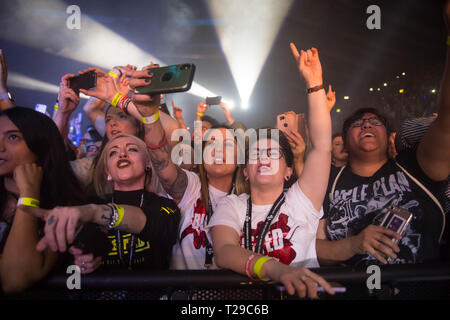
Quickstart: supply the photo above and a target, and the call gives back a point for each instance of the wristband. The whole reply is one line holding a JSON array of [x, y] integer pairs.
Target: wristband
[[152, 119], [259, 265], [200, 114], [29, 202], [122, 102], [116, 99], [316, 88], [4, 96], [56, 107], [448, 41], [249, 263], [157, 147], [112, 74], [120, 214]]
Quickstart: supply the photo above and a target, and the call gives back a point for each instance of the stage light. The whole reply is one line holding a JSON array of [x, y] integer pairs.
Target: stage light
[[403, 73], [338, 110], [346, 97], [246, 32], [378, 89], [433, 91], [385, 84], [371, 89], [43, 26], [401, 90], [229, 103]]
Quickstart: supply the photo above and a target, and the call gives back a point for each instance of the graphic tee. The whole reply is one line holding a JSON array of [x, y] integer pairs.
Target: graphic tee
[[190, 250], [154, 242], [360, 201], [291, 238]]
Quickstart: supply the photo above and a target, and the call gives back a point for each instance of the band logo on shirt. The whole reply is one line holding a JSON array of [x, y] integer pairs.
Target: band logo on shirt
[[276, 243], [196, 226]]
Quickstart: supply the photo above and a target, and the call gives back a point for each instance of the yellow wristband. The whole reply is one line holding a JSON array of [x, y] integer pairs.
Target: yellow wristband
[[116, 99], [56, 107], [152, 119], [29, 202], [448, 41], [121, 212], [112, 74], [200, 114], [259, 265]]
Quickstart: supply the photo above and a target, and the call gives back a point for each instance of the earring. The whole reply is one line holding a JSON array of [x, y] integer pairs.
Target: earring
[[109, 178]]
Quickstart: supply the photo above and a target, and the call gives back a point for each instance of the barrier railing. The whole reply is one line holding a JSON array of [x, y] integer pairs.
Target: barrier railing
[[397, 281]]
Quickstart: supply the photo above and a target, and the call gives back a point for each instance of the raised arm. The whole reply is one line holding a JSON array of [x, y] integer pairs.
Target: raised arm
[[314, 179], [433, 153], [68, 101], [178, 115]]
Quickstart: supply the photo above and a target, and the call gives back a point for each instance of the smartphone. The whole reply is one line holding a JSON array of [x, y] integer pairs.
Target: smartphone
[[92, 240], [213, 100], [396, 219], [176, 78], [85, 81], [292, 121]]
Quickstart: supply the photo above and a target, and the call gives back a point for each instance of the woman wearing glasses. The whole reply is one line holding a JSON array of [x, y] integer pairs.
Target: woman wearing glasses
[[270, 233]]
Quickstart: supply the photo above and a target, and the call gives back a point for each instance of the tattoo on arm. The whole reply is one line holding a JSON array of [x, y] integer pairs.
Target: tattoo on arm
[[106, 215], [51, 220], [178, 187]]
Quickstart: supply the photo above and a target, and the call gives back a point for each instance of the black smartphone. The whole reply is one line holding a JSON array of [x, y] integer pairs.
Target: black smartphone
[[92, 240], [176, 78], [85, 81], [213, 100]]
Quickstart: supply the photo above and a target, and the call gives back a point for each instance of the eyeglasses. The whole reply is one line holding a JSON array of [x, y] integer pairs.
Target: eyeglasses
[[373, 120], [272, 153]]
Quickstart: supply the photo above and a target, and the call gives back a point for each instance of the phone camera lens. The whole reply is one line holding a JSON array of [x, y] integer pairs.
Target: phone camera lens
[[167, 76], [285, 124], [185, 67]]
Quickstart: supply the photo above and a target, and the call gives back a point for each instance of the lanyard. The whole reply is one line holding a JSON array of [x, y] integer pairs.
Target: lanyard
[[209, 249], [132, 249], [263, 231]]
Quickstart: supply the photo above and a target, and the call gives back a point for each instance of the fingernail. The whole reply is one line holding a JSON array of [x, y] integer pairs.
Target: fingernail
[[150, 73], [147, 80]]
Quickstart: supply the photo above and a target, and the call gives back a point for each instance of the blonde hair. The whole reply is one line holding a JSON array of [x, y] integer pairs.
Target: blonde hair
[[103, 187]]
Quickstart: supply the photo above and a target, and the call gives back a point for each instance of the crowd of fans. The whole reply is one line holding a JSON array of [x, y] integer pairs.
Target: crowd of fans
[[268, 206]]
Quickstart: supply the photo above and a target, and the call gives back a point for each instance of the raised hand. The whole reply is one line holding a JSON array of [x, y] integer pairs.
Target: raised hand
[[309, 65], [28, 178], [296, 142], [3, 73], [331, 98], [202, 107], [146, 104], [177, 112], [68, 100]]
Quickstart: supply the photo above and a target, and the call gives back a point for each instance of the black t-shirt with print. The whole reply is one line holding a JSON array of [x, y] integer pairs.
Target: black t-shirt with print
[[153, 246], [360, 201]]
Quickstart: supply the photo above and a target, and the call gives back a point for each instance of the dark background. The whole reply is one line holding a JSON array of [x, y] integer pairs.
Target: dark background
[[411, 40]]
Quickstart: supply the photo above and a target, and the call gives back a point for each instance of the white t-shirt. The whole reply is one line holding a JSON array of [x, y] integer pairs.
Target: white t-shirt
[[291, 237], [190, 250]]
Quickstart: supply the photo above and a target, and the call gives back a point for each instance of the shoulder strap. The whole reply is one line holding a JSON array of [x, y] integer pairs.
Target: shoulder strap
[[435, 200], [336, 179]]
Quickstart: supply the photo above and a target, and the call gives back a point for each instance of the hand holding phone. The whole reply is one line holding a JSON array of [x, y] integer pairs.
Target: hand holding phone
[[396, 219], [213, 100], [86, 81]]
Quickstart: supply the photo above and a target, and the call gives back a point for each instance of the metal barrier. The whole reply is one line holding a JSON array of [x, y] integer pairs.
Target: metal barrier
[[397, 282]]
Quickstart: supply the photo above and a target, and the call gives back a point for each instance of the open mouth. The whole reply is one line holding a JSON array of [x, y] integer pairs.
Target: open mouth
[[262, 168], [368, 135], [123, 164], [115, 132]]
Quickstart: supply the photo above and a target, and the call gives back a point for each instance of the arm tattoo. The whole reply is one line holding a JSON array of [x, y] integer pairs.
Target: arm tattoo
[[106, 215], [178, 187], [160, 157], [51, 220]]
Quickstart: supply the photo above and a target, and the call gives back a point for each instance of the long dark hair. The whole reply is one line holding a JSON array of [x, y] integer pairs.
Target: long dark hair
[[59, 186]]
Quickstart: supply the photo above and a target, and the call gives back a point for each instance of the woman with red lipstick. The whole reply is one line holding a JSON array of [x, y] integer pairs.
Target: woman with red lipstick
[[270, 233], [142, 227]]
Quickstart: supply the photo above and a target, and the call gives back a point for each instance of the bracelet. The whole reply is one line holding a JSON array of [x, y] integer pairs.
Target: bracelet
[[157, 147], [114, 215], [122, 103], [248, 264], [152, 119], [116, 99], [259, 265], [4, 96], [121, 213], [316, 88], [448, 41], [29, 202], [200, 114], [113, 74]]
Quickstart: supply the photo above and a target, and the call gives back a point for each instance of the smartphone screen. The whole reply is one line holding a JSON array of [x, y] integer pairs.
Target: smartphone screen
[[213, 100]]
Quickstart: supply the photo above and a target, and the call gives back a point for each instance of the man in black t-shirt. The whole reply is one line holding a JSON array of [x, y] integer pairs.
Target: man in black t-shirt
[[358, 195]]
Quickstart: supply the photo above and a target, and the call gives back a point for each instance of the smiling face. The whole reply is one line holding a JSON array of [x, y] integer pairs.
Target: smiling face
[[338, 151], [220, 160], [125, 163], [117, 123], [267, 166], [13, 148], [367, 135]]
